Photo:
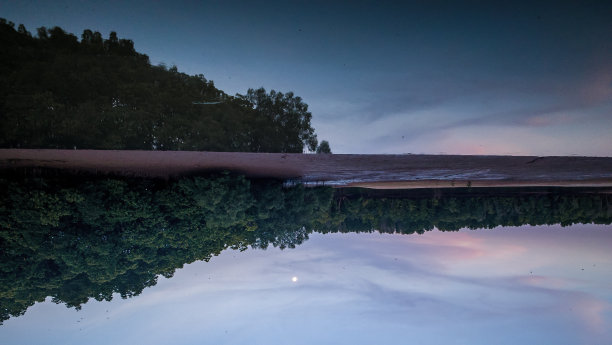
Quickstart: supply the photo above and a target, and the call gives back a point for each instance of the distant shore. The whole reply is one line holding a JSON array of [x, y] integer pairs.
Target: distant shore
[[340, 170]]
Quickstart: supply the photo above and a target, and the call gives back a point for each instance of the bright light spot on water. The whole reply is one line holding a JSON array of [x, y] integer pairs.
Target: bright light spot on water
[[294, 279]]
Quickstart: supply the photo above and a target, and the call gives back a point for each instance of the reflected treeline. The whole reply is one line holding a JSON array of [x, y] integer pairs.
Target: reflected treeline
[[75, 239], [59, 92]]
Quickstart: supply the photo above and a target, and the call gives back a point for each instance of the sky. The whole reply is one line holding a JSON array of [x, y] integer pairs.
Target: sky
[[525, 285], [456, 77]]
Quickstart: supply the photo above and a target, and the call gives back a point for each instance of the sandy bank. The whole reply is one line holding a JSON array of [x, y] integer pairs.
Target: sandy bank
[[370, 171]]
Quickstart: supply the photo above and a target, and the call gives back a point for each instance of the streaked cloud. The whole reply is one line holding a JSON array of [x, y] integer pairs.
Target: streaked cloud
[[515, 284]]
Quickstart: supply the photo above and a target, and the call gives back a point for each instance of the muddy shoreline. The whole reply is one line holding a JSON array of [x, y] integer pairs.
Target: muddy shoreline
[[339, 170]]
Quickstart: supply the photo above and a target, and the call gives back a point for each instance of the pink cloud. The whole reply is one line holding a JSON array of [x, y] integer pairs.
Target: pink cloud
[[591, 311], [543, 281], [464, 246]]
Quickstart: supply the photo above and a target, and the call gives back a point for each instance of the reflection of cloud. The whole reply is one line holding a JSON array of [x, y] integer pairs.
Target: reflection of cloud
[[397, 112], [538, 120], [597, 86]]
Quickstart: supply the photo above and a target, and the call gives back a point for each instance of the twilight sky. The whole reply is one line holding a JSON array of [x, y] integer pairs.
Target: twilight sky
[[526, 285], [426, 77]]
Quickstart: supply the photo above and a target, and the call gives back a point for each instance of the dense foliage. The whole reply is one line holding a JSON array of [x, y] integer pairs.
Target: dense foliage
[[96, 93], [76, 239], [90, 239], [362, 213]]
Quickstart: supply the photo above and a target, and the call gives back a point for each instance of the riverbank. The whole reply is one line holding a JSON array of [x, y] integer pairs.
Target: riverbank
[[341, 170]]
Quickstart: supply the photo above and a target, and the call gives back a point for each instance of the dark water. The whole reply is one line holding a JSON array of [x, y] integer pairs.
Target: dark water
[[226, 260]]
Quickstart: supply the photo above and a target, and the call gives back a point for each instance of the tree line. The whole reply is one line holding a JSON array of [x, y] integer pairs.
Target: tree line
[[81, 238], [57, 91]]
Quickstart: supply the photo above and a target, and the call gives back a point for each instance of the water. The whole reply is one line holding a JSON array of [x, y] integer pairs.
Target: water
[[231, 261]]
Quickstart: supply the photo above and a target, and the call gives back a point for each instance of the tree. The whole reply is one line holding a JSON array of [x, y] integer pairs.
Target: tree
[[324, 147], [75, 238]]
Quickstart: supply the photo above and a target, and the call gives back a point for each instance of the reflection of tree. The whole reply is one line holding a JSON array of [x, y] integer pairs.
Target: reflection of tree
[[59, 92], [75, 239], [323, 147]]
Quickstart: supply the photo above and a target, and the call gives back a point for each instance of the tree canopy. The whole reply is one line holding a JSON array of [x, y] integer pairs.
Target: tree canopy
[[76, 239], [57, 91]]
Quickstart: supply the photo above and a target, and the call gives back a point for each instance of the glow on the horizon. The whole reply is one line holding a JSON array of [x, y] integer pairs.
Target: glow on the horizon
[[522, 284]]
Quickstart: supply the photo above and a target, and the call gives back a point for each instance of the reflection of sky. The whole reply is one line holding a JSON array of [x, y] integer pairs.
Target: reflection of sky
[[530, 285], [516, 77]]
